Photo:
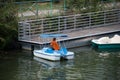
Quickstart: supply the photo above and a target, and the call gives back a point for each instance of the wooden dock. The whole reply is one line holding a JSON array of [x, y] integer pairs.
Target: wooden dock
[[94, 31], [80, 28], [77, 38]]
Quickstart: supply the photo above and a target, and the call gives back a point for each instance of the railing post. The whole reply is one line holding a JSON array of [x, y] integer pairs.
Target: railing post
[[65, 25], [30, 34], [104, 17], [27, 28], [20, 30], [90, 14], [118, 16], [24, 30], [21, 12], [74, 22], [59, 24], [36, 9], [42, 25], [51, 7]]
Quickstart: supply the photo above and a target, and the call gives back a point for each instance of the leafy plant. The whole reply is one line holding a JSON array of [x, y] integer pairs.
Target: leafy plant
[[8, 24]]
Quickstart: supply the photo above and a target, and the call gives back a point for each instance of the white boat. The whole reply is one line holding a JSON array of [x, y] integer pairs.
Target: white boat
[[53, 55], [107, 44]]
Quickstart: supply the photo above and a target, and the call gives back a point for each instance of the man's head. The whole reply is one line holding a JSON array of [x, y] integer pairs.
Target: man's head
[[54, 39]]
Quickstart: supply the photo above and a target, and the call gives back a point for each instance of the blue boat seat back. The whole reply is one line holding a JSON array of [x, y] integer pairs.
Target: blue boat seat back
[[49, 50], [63, 50]]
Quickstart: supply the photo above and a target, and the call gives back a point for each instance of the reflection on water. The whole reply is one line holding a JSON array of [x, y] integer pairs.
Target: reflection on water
[[50, 64], [87, 65], [53, 70]]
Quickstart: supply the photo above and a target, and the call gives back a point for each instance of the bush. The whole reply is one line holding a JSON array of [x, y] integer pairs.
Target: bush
[[8, 25], [8, 37]]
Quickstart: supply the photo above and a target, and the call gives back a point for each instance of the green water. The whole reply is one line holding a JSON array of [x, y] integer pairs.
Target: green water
[[88, 64]]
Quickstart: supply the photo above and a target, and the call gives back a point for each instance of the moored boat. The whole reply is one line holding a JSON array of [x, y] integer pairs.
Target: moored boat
[[106, 43]]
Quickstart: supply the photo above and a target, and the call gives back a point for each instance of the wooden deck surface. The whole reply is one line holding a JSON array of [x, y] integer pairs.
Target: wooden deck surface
[[82, 33]]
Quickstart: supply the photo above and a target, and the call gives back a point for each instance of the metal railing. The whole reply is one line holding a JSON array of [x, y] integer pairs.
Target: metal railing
[[32, 28]]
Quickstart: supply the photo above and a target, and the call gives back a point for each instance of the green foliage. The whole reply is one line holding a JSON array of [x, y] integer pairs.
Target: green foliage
[[6, 35], [8, 24], [80, 6]]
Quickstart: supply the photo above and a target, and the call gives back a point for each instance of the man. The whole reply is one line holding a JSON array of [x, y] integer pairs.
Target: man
[[54, 44]]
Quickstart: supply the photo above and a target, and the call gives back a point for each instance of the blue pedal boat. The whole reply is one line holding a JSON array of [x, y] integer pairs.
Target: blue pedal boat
[[53, 55]]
